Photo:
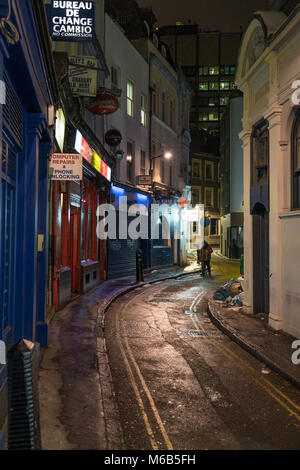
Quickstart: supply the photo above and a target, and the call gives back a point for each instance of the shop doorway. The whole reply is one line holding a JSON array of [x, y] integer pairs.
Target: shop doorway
[[261, 267], [75, 248]]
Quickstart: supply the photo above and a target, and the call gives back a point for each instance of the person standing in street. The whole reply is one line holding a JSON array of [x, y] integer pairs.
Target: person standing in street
[[204, 257]]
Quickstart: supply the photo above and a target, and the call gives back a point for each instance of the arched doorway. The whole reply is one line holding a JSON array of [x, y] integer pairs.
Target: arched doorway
[[261, 267]]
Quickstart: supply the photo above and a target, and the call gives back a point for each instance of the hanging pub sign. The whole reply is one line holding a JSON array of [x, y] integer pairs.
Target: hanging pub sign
[[65, 167], [113, 138], [71, 21], [104, 103], [82, 77]]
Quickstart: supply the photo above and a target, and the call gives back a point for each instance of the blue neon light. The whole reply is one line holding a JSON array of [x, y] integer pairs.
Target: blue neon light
[[117, 191], [141, 197]]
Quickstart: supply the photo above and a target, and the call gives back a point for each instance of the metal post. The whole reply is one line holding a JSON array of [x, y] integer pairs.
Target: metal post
[[139, 266]]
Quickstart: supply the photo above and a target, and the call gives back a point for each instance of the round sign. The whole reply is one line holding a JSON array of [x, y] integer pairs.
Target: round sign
[[182, 202], [205, 221], [113, 138], [104, 103]]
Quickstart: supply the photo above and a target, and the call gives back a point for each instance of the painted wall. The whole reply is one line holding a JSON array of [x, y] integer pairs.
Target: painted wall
[[120, 53], [236, 156]]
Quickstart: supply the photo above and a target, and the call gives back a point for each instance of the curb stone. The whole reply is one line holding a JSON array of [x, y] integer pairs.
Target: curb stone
[[248, 346], [114, 436]]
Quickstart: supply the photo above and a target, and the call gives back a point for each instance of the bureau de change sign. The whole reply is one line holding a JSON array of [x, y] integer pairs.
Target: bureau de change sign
[[72, 20], [65, 167]]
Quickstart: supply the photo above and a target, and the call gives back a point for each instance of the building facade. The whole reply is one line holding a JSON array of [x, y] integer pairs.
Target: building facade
[[28, 96], [268, 75], [231, 181], [77, 258]]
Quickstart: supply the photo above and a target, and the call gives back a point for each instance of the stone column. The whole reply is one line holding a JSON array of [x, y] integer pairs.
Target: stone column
[[273, 115], [245, 136]]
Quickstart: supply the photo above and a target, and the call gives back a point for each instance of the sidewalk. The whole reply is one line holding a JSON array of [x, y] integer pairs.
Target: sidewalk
[[252, 333], [77, 406]]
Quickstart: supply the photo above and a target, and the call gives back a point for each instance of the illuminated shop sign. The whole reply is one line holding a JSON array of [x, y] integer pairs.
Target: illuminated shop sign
[[60, 128], [91, 156], [72, 21]]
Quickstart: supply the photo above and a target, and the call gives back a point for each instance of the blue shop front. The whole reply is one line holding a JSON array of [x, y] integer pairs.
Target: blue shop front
[[28, 93], [121, 250]]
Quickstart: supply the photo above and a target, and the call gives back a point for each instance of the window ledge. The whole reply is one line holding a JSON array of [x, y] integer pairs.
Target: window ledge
[[295, 213]]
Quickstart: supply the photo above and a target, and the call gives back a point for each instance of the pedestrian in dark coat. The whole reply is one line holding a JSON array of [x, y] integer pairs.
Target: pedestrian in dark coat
[[204, 257]]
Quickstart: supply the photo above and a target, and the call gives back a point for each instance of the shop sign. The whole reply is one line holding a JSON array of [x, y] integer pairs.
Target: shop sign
[[101, 166], [113, 138], [83, 80], [105, 103], [190, 215], [60, 128], [65, 167], [83, 147], [92, 157], [71, 20], [145, 180]]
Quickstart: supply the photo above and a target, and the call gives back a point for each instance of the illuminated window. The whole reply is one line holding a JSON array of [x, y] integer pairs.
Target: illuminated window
[[130, 98], [233, 86], [203, 70], [203, 86], [214, 86], [143, 110], [130, 162], [203, 116], [224, 100], [224, 86], [214, 70], [213, 116]]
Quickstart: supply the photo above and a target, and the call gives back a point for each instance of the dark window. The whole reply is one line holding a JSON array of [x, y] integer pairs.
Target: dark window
[[296, 163], [260, 155]]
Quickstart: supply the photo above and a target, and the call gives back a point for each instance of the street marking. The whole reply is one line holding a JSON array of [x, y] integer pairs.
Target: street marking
[[147, 391], [136, 391], [143, 383]]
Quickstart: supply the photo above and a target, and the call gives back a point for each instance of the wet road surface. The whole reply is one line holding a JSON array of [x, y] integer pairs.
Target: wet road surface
[[181, 384]]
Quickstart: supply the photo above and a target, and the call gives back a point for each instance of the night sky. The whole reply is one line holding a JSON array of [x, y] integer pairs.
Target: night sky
[[225, 15]]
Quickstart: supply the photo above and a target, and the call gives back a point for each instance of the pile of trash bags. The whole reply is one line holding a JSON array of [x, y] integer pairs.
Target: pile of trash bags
[[231, 293]]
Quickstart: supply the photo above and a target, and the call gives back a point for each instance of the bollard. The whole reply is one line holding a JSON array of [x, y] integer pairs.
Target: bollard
[[139, 266]]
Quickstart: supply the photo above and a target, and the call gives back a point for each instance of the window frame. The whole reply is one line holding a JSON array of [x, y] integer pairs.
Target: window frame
[[295, 169], [143, 110], [130, 100]]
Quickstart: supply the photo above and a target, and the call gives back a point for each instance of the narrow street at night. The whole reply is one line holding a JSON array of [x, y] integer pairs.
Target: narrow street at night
[[149, 230], [182, 384]]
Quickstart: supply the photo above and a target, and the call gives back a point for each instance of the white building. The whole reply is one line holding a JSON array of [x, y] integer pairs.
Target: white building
[[129, 73], [268, 70]]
